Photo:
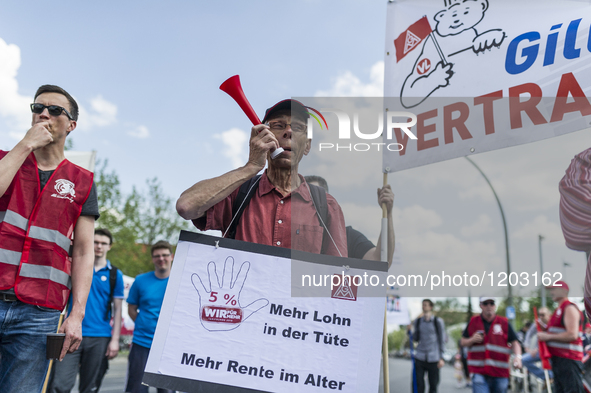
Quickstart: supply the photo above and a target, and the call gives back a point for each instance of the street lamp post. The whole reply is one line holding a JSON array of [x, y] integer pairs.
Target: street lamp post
[[564, 266], [510, 288]]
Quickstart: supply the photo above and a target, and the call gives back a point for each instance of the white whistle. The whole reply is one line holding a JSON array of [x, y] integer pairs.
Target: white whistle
[[276, 152]]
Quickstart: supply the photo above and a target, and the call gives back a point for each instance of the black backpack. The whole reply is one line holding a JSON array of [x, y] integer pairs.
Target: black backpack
[[112, 282], [247, 190], [417, 336]]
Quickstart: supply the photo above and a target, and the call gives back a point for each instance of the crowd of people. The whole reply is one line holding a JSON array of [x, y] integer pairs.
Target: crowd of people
[[101, 325], [490, 347], [51, 256]]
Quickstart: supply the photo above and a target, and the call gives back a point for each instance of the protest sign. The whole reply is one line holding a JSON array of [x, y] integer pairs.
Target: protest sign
[[482, 75], [397, 311], [230, 322]]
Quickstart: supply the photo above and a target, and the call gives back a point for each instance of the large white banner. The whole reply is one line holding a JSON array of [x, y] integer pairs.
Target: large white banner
[[230, 323], [480, 75]]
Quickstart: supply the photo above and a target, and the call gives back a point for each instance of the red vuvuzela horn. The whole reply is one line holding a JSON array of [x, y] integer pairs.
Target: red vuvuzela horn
[[233, 87]]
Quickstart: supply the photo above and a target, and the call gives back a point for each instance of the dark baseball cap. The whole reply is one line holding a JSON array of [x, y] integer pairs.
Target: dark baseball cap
[[293, 105]]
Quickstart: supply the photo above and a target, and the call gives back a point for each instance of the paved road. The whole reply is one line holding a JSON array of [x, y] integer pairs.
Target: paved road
[[115, 379], [400, 371], [400, 378]]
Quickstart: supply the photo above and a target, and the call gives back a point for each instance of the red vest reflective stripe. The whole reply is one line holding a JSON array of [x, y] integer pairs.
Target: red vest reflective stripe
[[572, 350], [35, 231], [491, 356]]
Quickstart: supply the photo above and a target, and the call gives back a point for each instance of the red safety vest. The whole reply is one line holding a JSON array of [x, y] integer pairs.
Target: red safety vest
[[572, 350], [491, 356], [36, 229]]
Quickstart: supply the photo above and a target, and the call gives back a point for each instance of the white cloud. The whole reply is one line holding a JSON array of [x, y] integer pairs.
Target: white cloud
[[433, 250], [416, 219], [235, 141], [349, 85], [101, 113], [428, 242], [16, 115], [525, 177], [410, 221], [17, 135], [480, 227], [541, 225], [364, 218], [140, 132], [14, 108]]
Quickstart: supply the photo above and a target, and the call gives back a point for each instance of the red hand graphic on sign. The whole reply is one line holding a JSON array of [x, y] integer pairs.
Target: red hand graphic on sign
[[219, 302]]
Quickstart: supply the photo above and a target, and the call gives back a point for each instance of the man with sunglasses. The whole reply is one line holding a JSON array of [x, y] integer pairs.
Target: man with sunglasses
[[282, 211], [563, 338], [490, 340], [47, 211]]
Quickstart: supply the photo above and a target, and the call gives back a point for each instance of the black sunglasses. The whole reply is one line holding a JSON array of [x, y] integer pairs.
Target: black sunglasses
[[488, 303], [54, 110]]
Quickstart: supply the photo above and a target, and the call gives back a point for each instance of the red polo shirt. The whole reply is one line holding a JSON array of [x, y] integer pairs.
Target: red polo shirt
[[284, 221]]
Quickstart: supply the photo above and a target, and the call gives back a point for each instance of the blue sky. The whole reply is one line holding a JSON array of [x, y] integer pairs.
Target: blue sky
[[146, 75], [152, 69]]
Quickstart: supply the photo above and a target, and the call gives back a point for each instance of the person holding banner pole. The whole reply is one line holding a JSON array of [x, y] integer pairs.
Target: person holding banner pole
[[532, 355], [413, 362], [358, 245], [543, 352], [278, 208], [564, 342]]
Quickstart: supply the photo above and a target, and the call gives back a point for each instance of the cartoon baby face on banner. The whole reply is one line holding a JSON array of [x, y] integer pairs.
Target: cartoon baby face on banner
[[455, 32], [460, 16]]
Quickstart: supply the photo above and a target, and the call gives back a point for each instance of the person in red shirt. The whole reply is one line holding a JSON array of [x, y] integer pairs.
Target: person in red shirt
[[281, 212], [563, 338]]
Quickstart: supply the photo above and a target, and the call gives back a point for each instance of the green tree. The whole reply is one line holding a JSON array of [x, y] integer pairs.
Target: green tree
[[536, 301], [455, 334], [524, 307], [396, 339], [137, 220], [155, 215], [469, 311], [450, 310]]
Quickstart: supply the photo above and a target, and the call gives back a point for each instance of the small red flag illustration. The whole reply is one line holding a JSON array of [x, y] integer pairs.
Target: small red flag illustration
[[412, 37]]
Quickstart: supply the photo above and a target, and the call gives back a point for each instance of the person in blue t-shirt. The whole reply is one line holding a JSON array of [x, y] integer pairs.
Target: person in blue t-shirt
[[98, 344], [144, 303]]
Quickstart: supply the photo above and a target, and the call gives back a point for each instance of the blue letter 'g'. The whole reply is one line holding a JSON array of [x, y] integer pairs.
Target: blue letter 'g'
[[530, 53]]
